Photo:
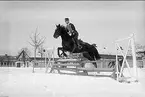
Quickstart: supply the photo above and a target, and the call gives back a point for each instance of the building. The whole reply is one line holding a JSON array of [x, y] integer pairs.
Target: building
[[7, 60], [17, 61]]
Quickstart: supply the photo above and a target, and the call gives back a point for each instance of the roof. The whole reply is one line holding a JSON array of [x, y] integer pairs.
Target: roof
[[7, 58]]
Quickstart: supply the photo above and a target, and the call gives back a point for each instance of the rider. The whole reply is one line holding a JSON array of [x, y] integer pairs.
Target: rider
[[71, 30]]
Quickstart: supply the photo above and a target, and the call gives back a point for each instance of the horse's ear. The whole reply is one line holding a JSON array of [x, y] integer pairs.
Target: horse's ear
[[56, 25], [59, 25]]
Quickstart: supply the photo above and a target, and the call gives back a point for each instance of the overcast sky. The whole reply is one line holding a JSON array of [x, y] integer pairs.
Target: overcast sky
[[100, 22]]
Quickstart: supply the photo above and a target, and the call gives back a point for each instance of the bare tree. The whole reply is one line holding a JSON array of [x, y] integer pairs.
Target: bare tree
[[41, 51], [139, 49], [36, 42]]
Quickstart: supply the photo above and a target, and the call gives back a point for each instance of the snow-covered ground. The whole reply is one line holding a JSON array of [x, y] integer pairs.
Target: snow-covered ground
[[21, 82]]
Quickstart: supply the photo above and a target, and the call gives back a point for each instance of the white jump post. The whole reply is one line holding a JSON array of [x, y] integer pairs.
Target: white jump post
[[134, 57], [117, 47]]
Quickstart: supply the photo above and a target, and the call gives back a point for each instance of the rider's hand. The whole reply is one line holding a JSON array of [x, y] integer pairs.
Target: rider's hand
[[69, 33]]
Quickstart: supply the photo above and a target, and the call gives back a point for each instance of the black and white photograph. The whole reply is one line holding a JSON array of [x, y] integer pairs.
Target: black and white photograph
[[72, 48]]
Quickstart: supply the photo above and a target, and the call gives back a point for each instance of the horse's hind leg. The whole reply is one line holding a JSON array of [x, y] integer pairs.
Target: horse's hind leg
[[96, 53], [87, 55], [90, 56], [93, 59]]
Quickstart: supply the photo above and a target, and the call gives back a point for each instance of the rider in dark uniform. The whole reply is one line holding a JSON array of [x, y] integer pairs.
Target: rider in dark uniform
[[72, 31]]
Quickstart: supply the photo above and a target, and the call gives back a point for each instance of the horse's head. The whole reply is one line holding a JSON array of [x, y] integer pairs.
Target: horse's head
[[57, 31], [61, 31]]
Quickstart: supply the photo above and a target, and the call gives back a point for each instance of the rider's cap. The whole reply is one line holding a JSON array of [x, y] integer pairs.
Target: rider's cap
[[66, 19]]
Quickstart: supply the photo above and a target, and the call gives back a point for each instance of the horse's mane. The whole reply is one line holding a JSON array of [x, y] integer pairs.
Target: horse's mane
[[63, 27]]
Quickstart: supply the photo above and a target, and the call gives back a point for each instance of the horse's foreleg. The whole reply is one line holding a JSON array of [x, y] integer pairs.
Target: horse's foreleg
[[63, 52], [58, 51]]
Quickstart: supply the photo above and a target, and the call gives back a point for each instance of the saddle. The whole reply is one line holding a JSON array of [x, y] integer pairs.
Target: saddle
[[76, 44]]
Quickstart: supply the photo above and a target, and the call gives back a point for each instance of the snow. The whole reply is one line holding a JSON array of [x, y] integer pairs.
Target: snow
[[21, 82]]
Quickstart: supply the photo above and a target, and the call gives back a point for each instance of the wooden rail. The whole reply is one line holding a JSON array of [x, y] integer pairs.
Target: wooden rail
[[68, 63]]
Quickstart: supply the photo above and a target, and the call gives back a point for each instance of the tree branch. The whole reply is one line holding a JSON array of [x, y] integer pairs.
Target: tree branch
[[32, 40], [32, 44], [41, 40]]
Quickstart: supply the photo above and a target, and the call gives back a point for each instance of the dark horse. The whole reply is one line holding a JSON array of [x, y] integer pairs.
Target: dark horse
[[69, 45]]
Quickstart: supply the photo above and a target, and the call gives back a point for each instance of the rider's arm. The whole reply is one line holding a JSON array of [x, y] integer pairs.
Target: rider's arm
[[70, 28]]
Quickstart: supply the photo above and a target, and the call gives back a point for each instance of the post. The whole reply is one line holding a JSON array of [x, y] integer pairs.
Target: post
[[34, 59], [52, 56], [134, 57], [143, 62], [116, 61], [45, 58], [50, 59]]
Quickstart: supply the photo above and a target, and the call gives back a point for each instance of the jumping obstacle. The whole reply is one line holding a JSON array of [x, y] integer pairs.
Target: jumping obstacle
[[75, 65], [119, 50]]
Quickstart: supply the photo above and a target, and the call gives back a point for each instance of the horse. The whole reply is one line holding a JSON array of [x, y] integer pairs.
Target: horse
[[69, 45]]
